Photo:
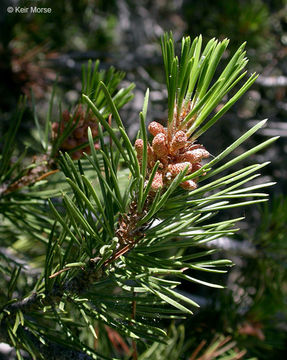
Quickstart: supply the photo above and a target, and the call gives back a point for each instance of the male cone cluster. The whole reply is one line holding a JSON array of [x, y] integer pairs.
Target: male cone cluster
[[79, 135], [175, 153]]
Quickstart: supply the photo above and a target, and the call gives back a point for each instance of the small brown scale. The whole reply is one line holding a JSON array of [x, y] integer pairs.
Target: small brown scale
[[174, 155], [128, 232]]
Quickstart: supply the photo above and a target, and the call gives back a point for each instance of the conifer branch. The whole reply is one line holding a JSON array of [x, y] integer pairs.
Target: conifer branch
[[117, 228]]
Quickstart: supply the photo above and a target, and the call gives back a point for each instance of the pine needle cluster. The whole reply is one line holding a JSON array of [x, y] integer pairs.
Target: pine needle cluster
[[100, 231]]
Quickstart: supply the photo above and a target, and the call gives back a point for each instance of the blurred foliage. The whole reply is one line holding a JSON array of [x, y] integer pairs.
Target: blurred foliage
[[71, 26], [243, 20]]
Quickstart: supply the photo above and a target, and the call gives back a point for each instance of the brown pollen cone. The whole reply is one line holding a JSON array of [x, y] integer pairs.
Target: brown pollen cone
[[155, 128], [159, 145], [157, 182], [178, 142], [139, 149], [82, 120], [175, 153]]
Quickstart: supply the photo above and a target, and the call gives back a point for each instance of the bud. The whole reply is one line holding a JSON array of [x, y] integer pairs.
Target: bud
[[66, 116], [179, 141], [188, 185], [79, 132], [78, 136], [175, 169], [155, 128], [159, 145], [69, 144], [194, 156], [157, 182], [139, 148]]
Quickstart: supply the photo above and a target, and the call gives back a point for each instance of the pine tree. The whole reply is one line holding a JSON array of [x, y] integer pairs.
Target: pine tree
[[98, 233]]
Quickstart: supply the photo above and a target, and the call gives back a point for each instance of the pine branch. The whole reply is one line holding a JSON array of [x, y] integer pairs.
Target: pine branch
[[116, 238]]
